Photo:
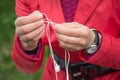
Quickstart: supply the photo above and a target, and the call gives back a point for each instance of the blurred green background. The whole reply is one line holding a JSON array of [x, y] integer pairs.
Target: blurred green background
[[8, 70]]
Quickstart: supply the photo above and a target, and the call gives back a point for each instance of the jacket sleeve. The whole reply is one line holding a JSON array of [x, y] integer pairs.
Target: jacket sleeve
[[109, 53], [24, 62]]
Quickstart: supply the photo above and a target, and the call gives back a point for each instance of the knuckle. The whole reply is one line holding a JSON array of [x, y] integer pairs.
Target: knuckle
[[37, 14], [16, 22]]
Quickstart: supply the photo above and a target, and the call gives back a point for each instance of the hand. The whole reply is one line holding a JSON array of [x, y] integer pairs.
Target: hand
[[74, 36], [30, 29]]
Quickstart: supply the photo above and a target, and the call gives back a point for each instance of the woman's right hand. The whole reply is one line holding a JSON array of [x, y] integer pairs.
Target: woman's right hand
[[30, 29]]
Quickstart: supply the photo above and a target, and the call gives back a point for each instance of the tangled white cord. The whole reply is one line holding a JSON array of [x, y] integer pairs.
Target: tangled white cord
[[67, 60], [67, 63]]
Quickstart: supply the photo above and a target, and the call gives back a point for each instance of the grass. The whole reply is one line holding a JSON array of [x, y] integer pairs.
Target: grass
[[8, 70]]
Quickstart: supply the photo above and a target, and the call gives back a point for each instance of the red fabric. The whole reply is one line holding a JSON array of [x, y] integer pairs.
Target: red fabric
[[100, 14]]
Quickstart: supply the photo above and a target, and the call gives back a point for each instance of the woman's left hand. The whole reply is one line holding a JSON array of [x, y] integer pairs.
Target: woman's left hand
[[74, 36]]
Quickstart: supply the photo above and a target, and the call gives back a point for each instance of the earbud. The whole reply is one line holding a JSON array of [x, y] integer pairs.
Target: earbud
[[57, 68]]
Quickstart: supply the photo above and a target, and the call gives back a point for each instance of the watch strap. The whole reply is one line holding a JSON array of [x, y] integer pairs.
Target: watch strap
[[95, 46]]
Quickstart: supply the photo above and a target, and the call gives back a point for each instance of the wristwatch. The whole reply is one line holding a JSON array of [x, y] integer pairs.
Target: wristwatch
[[95, 46]]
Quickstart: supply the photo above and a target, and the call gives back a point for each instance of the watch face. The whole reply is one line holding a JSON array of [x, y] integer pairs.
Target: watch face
[[92, 49]]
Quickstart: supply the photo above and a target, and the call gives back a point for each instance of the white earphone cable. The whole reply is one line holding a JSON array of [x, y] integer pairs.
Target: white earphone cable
[[56, 66], [67, 60]]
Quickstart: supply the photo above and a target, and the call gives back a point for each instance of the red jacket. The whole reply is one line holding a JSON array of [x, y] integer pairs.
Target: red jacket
[[100, 14]]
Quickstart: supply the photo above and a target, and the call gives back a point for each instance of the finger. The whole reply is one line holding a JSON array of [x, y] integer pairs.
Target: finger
[[72, 40], [70, 47], [74, 24], [29, 27], [36, 39], [35, 16], [70, 31], [39, 36], [32, 35]]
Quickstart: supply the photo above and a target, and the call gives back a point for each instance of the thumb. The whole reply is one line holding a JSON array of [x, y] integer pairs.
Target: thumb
[[56, 26]]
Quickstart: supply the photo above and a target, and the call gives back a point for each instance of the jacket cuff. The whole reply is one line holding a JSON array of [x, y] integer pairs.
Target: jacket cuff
[[24, 61]]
